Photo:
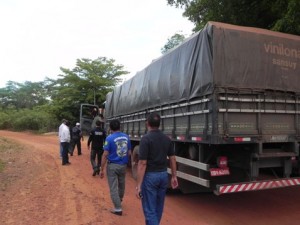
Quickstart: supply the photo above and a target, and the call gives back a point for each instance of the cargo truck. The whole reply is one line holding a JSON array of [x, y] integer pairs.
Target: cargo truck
[[229, 99]]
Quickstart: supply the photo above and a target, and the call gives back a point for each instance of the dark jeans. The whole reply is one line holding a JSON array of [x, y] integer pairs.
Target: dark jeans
[[96, 159], [60, 150], [154, 189], [76, 142], [65, 149]]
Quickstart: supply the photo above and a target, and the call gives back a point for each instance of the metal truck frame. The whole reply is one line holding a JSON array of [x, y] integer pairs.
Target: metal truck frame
[[229, 101]]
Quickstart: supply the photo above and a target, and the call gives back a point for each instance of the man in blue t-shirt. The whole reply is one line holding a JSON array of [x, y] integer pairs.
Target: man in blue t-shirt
[[117, 150]]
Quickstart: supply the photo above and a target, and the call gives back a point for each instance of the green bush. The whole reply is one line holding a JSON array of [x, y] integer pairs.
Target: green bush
[[5, 122], [26, 119], [33, 120]]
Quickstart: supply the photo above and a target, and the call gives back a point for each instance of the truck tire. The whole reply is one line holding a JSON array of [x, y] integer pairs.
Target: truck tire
[[134, 161]]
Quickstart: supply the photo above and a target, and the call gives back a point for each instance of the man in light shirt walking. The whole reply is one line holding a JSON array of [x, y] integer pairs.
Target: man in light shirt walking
[[64, 138]]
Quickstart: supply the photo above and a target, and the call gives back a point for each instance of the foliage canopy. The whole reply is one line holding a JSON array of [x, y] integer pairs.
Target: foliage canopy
[[277, 15], [172, 42]]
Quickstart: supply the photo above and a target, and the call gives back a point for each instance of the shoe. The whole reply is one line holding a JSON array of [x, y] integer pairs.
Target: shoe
[[94, 173], [118, 213], [68, 163]]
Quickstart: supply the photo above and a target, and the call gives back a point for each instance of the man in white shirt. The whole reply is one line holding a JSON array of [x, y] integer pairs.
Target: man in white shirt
[[64, 138], [59, 131]]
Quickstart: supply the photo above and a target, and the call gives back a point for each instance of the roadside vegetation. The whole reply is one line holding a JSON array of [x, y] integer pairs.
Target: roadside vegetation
[[40, 106], [1, 165]]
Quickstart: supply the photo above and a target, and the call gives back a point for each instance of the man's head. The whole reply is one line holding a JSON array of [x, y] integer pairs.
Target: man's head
[[101, 117], [153, 120], [115, 125], [99, 123], [68, 123], [77, 124]]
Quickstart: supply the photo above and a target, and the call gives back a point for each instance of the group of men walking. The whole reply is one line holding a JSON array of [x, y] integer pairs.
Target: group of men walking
[[112, 153]]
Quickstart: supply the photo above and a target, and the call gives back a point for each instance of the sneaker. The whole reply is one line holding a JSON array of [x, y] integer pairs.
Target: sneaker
[[118, 213], [94, 173]]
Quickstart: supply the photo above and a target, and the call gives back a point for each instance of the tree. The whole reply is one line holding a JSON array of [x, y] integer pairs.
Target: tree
[[290, 22], [172, 42], [88, 82], [19, 96], [42, 105], [278, 15]]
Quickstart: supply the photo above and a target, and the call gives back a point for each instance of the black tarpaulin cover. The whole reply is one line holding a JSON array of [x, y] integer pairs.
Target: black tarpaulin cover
[[220, 55]]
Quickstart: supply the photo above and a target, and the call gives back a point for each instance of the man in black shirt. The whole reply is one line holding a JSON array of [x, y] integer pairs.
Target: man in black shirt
[[76, 137], [152, 177], [97, 138]]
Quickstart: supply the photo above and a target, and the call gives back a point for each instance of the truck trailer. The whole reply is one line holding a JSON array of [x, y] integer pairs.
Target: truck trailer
[[229, 99]]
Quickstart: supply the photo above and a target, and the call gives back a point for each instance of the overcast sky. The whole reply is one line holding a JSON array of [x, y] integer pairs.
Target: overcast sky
[[40, 36]]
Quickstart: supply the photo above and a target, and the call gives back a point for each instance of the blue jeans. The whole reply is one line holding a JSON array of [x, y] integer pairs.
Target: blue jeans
[[154, 189]]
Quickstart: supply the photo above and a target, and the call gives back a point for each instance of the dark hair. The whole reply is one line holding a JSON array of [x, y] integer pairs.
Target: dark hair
[[115, 125], [98, 123], [153, 120]]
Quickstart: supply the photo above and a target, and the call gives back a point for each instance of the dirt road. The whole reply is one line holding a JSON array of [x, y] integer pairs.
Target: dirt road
[[36, 189]]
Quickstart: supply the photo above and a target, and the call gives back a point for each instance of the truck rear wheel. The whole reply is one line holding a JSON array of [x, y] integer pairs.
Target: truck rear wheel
[[134, 161]]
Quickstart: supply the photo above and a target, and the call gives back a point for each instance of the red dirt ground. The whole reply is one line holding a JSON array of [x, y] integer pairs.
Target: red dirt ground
[[36, 189]]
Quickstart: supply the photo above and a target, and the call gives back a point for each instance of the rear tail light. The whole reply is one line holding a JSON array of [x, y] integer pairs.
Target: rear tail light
[[222, 162]]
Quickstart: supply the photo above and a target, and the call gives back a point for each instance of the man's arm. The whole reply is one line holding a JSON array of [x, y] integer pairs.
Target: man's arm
[[129, 153], [81, 134], [103, 163], [141, 168], [174, 182]]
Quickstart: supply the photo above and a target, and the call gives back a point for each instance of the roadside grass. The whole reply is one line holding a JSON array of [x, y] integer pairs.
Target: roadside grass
[[1, 165], [6, 148]]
